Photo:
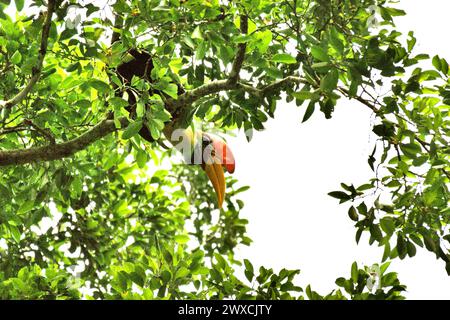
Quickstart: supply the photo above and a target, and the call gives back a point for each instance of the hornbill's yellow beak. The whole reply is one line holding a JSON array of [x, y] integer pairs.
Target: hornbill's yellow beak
[[215, 174]]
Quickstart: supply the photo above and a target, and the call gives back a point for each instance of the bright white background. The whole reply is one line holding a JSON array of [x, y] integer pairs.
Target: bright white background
[[293, 223]]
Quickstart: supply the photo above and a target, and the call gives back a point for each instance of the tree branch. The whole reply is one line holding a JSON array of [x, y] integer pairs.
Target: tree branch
[[193, 95], [46, 133], [217, 86], [360, 99], [261, 92], [240, 55], [275, 85], [61, 150], [12, 129], [36, 73]]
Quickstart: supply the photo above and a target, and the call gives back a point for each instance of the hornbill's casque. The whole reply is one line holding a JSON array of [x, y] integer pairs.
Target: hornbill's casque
[[214, 153]]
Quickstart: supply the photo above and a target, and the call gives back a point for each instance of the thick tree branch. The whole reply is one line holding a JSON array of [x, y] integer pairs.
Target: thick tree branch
[[36, 73], [240, 55], [193, 95], [61, 150]]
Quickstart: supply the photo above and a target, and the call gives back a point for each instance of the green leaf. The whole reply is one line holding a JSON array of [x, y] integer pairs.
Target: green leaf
[[335, 40], [181, 238], [16, 58], [166, 276], [99, 85], [358, 234], [386, 251], [19, 4], [197, 34], [375, 232], [339, 195], [176, 64], [429, 242], [353, 214], [309, 111], [141, 158], [410, 149], [411, 249], [25, 207], [155, 128], [242, 38], [388, 225], [444, 66], [265, 38], [303, 95], [74, 66], [416, 240], [330, 81], [401, 246], [437, 63], [140, 109], [15, 233], [221, 263], [77, 185], [284, 58], [132, 129], [182, 273], [201, 50], [355, 272], [319, 53], [321, 66], [447, 268], [190, 43], [172, 90], [249, 271]]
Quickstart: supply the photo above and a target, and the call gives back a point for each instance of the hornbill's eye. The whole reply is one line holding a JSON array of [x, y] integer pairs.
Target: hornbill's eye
[[206, 141]]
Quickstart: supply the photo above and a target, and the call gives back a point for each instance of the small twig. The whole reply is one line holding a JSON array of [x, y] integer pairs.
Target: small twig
[[12, 129], [46, 133]]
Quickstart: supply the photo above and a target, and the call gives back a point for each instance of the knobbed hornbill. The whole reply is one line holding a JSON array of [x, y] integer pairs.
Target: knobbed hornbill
[[212, 154], [207, 150]]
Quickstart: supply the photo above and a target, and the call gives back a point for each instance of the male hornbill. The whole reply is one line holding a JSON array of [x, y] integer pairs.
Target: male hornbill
[[212, 152]]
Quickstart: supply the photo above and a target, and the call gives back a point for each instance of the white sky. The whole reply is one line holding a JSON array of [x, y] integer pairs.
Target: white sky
[[293, 223]]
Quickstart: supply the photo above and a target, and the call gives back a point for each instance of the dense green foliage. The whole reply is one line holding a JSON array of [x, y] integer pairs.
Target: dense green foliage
[[136, 230]]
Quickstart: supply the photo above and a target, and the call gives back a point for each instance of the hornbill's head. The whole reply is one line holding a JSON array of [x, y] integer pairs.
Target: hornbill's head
[[213, 154]]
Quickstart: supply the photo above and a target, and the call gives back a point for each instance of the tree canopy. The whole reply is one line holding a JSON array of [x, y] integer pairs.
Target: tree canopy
[[89, 209]]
